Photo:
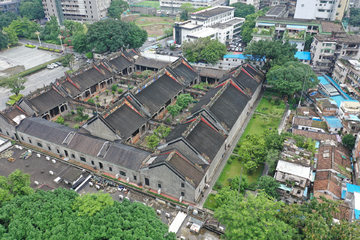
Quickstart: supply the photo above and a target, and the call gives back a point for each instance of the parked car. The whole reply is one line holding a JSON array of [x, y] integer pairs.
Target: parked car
[[58, 63], [89, 61], [50, 66], [236, 49]]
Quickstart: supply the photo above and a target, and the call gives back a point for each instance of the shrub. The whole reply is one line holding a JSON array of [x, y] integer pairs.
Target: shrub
[[114, 87], [252, 186], [68, 116], [60, 120], [98, 104], [107, 91], [229, 161], [45, 48], [89, 55], [50, 49], [16, 98], [72, 112], [77, 119], [168, 120], [218, 185], [277, 101], [113, 92], [91, 100], [66, 124], [140, 76], [40, 47], [30, 46], [120, 90], [56, 50], [76, 126], [172, 47], [229, 180]]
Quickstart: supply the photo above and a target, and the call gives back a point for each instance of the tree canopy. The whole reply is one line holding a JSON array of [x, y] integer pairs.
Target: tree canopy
[[111, 35], [204, 50], [248, 26], [11, 35], [14, 84], [32, 9], [275, 52], [16, 184], [269, 185], [354, 17], [117, 7], [290, 77], [56, 215], [6, 19], [252, 217], [349, 141], [4, 40], [25, 28], [242, 10]]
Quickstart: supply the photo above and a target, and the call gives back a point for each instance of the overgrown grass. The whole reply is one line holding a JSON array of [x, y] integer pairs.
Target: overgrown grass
[[319, 124], [210, 202], [234, 169], [258, 125]]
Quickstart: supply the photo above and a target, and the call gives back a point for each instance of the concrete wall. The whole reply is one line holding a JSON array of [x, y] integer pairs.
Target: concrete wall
[[26, 108], [7, 129]]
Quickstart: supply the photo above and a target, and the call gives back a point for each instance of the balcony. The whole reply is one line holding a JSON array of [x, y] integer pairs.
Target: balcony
[[294, 35], [264, 31]]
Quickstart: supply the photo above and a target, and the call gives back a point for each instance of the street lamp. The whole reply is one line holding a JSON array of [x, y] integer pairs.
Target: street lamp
[[38, 34], [60, 37]]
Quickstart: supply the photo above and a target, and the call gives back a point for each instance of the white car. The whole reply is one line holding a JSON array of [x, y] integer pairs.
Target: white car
[[50, 66]]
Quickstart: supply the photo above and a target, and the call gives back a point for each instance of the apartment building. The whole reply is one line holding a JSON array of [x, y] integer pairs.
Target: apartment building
[[216, 22], [347, 73], [326, 49], [321, 9], [10, 6], [173, 6], [78, 10]]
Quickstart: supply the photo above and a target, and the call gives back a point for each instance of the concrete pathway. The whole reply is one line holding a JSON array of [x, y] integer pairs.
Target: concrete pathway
[[228, 153], [283, 119]]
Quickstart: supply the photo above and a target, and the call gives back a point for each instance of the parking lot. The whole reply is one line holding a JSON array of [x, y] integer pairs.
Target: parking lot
[[236, 45]]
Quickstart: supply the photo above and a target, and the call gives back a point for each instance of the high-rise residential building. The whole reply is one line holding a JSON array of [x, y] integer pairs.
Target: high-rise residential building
[[77, 10], [216, 22], [10, 6], [321, 9], [255, 3], [173, 6]]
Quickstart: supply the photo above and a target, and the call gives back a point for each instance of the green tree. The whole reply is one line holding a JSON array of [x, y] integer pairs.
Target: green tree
[[32, 9], [249, 25], [184, 16], [111, 35], [275, 52], [349, 141], [62, 214], [152, 141], [183, 100], [204, 50], [68, 60], [6, 18], [253, 218], [117, 7], [11, 34], [73, 27], [174, 110], [188, 7], [354, 17], [234, 185], [162, 131], [79, 43], [269, 185], [16, 184], [242, 10], [60, 120], [290, 77], [51, 30], [308, 40], [168, 32], [25, 28], [225, 195], [252, 151], [14, 84], [90, 204], [3, 40]]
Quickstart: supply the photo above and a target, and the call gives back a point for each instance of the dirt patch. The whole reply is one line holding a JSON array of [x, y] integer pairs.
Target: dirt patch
[[154, 26]]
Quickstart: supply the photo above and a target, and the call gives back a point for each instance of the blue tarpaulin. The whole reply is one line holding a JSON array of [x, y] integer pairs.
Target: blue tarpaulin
[[303, 56]]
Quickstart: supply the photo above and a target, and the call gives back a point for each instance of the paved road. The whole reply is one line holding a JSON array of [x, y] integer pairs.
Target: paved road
[[228, 153]]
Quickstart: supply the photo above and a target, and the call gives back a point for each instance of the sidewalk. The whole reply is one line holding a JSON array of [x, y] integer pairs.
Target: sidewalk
[[228, 153]]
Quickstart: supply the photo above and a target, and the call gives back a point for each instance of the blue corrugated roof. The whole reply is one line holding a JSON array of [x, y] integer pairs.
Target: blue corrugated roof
[[339, 98], [333, 122], [352, 188], [354, 117], [339, 88], [296, 26], [303, 55], [238, 56], [305, 192], [323, 80], [357, 214]]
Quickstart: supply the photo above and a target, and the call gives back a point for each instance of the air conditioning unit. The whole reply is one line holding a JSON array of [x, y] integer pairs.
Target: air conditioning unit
[[51, 172], [117, 176], [121, 197], [180, 199], [158, 212], [38, 155], [48, 158], [159, 191], [36, 182], [29, 151], [128, 180], [53, 161], [221, 229], [97, 187], [167, 215], [91, 184]]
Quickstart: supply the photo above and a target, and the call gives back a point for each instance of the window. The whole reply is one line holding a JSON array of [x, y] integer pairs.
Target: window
[[182, 194], [321, 10], [135, 178], [29, 140], [82, 159], [110, 169], [147, 182], [49, 148], [57, 150], [159, 185], [39, 144], [122, 173], [182, 184], [92, 162], [302, 5], [72, 155], [22, 138], [328, 44]]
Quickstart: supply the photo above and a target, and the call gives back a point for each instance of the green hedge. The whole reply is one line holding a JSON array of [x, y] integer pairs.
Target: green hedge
[[11, 102], [16, 98], [50, 49], [30, 46]]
